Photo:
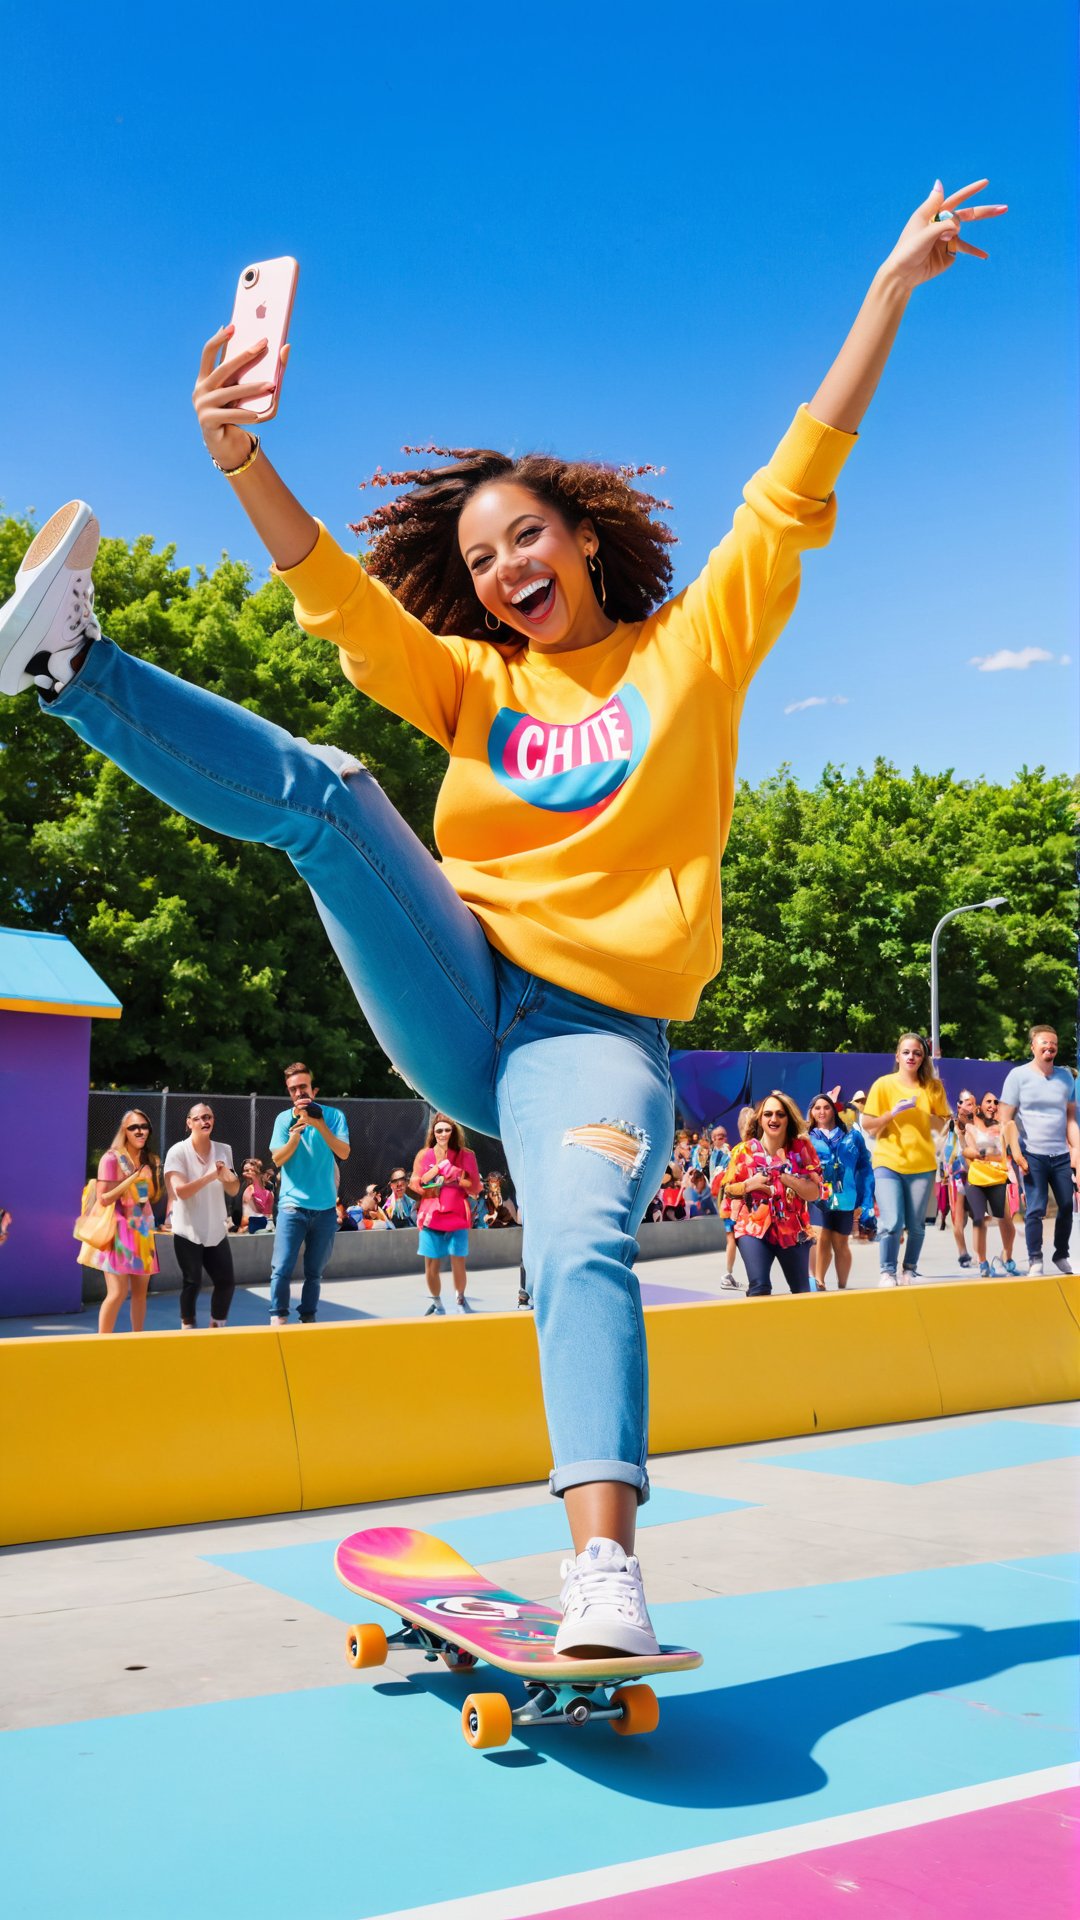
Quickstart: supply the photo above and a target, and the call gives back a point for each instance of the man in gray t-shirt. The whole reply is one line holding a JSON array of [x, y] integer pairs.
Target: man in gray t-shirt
[[1037, 1113]]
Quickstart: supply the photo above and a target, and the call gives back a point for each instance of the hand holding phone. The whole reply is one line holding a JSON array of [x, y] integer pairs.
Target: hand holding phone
[[904, 1106], [262, 310]]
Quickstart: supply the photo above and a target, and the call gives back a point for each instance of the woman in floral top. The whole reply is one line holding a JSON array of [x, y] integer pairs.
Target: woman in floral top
[[772, 1176]]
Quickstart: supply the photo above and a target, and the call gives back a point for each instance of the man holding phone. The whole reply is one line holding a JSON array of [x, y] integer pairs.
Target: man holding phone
[[307, 1145]]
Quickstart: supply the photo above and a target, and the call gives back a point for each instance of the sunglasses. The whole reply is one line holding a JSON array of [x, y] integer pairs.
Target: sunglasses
[[398, 1180], [773, 1113], [140, 1128]]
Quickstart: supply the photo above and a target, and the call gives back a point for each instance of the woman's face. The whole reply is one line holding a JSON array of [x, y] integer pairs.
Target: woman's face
[[774, 1123], [136, 1130], [910, 1054], [965, 1107], [443, 1132], [988, 1108], [530, 570], [821, 1115]]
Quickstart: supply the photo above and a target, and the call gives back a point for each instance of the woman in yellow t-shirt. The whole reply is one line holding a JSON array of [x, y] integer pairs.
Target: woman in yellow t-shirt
[[903, 1112], [986, 1183]]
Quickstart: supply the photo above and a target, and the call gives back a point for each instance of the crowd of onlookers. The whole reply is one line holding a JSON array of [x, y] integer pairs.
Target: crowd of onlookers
[[791, 1191], [795, 1190]]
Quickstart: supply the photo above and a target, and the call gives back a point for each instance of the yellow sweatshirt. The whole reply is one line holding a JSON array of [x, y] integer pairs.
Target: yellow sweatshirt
[[570, 819]]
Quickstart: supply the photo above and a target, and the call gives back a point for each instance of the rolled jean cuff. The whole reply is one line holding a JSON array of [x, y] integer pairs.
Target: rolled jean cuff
[[584, 1471]]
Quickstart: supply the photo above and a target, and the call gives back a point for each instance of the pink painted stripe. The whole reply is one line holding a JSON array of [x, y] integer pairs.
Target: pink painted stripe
[[1019, 1858]]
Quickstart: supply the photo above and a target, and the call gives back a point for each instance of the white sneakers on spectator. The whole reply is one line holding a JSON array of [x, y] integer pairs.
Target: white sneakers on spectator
[[51, 612], [1063, 1266], [461, 1305], [603, 1604], [434, 1306], [887, 1280], [1035, 1269], [729, 1280]]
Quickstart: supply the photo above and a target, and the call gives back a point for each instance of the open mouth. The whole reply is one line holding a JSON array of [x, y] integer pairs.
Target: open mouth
[[535, 600]]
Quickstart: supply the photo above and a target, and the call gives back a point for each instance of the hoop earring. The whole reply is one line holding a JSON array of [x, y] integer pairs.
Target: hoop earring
[[488, 625], [596, 566]]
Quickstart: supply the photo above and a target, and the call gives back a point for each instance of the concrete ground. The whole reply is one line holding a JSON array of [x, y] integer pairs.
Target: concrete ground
[[885, 1723], [494, 1290]]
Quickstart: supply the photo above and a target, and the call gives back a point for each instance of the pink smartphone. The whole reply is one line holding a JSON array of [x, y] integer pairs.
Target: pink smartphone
[[261, 311]]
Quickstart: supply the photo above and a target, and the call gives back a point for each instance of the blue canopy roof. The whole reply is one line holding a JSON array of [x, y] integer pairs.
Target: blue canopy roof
[[44, 973]]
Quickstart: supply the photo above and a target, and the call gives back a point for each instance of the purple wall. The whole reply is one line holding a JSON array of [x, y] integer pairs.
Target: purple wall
[[712, 1086], [44, 1075]]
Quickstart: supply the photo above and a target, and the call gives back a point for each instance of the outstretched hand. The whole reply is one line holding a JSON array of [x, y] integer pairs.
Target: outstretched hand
[[928, 244]]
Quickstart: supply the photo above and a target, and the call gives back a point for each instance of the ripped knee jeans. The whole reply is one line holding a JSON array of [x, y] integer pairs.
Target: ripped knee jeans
[[580, 1093]]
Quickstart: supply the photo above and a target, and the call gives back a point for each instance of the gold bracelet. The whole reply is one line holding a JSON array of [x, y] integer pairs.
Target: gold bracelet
[[233, 473]]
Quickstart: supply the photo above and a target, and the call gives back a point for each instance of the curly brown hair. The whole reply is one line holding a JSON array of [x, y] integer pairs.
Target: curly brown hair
[[414, 548]]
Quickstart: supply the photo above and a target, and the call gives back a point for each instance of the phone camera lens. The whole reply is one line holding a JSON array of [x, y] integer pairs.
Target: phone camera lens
[[251, 275]]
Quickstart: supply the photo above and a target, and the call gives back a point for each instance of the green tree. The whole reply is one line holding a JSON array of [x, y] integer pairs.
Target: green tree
[[213, 946], [831, 896]]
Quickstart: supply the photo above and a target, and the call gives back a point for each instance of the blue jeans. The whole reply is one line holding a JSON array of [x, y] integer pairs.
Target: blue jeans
[[1047, 1173], [580, 1094], [758, 1256], [314, 1229], [902, 1201]]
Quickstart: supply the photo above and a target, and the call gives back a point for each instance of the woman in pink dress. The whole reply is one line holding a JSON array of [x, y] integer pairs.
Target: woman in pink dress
[[129, 1175], [445, 1174]]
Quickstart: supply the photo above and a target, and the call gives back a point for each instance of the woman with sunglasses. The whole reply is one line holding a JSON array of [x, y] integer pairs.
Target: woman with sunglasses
[[128, 1175], [904, 1113], [445, 1175], [773, 1175], [950, 1147], [986, 1184]]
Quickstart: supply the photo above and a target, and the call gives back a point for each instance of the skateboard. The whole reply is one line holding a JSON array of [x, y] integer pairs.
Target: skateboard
[[450, 1612]]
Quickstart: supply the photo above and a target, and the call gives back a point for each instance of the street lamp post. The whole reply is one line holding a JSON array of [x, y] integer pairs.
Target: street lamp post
[[935, 1012]]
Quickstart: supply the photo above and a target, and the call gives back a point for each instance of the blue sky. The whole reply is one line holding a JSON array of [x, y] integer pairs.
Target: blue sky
[[628, 231]]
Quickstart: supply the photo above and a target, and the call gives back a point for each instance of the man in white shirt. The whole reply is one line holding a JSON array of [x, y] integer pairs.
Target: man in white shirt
[[1037, 1116], [198, 1175]]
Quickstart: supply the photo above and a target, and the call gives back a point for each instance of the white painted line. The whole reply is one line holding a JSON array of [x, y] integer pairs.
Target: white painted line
[[666, 1869]]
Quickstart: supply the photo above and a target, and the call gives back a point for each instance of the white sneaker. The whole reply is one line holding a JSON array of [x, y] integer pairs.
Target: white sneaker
[[1035, 1270], [51, 611], [462, 1305], [278, 1320], [729, 1280], [887, 1280], [1063, 1266], [603, 1604], [436, 1306]]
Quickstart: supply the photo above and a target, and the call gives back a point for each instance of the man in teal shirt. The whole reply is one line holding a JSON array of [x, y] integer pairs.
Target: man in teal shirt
[[307, 1145]]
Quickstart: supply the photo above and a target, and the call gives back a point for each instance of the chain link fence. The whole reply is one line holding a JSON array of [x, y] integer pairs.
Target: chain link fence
[[383, 1133]]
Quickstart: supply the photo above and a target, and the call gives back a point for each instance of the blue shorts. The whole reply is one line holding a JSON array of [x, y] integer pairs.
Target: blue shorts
[[833, 1219], [434, 1245]]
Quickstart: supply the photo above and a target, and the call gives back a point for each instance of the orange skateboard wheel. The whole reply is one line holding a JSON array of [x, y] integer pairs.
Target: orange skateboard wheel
[[486, 1720], [365, 1646], [640, 1710]]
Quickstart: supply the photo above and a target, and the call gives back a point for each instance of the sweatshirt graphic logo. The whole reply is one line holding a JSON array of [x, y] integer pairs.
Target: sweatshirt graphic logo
[[573, 768]]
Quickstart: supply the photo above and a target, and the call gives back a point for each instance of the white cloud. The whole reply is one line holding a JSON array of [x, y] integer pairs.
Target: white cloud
[[1009, 660], [818, 700]]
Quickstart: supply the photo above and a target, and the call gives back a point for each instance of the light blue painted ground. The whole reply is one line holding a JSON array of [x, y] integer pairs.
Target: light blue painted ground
[[307, 1572], [343, 1802], [915, 1459]]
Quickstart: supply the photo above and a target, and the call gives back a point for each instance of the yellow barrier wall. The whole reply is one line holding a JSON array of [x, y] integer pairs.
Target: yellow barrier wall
[[402, 1407], [107, 1435]]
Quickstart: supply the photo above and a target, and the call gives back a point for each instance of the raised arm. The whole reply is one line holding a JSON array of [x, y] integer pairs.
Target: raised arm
[[285, 528], [926, 248]]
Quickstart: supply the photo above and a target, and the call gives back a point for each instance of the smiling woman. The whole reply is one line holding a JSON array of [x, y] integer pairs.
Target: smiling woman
[[497, 548], [514, 612]]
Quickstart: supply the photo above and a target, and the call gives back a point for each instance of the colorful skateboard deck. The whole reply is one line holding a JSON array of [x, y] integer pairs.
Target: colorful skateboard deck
[[451, 1611]]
